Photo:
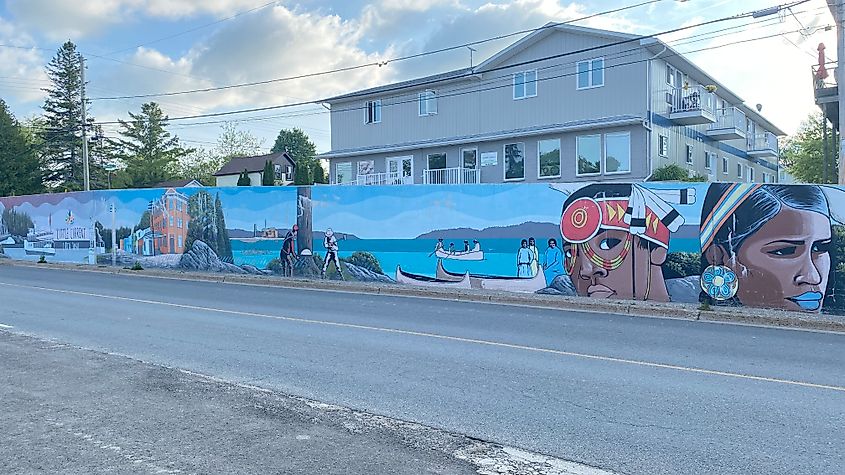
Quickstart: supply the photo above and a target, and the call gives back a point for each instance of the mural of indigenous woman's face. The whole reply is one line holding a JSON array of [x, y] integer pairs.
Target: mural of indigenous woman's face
[[785, 264], [614, 264]]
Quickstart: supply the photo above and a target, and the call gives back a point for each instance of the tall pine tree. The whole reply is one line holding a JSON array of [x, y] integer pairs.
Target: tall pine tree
[[149, 153], [20, 167], [62, 137]]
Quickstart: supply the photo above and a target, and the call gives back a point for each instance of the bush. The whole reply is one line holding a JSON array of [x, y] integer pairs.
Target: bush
[[42, 260], [681, 264], [136, 266], [275, 265], [674, 172], [365, 260]]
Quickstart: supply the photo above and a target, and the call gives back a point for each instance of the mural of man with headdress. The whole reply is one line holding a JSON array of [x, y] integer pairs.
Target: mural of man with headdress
[[616, 238]]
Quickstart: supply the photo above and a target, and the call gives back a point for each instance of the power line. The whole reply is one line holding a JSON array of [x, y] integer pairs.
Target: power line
[[376, 63]]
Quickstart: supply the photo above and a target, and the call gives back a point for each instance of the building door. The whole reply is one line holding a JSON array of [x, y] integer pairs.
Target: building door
[[400, 170]]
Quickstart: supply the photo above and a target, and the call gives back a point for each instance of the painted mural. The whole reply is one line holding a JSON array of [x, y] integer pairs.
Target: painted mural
[[760, 245]]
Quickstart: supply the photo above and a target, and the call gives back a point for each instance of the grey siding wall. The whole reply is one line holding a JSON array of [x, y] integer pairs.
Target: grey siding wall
[[696, 135], [485, 103], [496, 174]]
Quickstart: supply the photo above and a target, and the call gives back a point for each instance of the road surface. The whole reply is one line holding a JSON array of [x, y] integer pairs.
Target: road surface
[[629, 394]]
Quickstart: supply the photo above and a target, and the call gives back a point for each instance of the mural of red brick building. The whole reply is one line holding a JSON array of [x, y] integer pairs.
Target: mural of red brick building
[[170, 222]]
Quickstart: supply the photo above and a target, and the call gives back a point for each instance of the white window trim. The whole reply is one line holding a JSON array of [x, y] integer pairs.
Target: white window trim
[[505, 162], [477, 158], [423, 96], [590, 73], [377, 103], [739, 172], [604, 153], [690, 157], [526, 96], [708, 160], [353, 172], [399, 159], [659, 137], [726, 164], [601, 152], [428, 162], [559, 159]]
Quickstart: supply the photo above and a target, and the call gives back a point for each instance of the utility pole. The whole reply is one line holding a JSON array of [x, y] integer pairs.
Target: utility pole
[[84, 125], [837, 8]]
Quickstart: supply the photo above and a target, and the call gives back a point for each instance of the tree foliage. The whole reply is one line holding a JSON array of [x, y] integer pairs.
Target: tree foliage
[[201, 164], [268, 177], [803, 153], [20, 166], [243, 179], [304, 154], [148, 152], [674, 172], [17, 224], [208, 224]]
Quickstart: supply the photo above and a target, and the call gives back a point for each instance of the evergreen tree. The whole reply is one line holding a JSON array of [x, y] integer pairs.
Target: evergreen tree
[[20, 167], [63, 119], [268, 178], [224, 246], [148, 151], [243, 179], [318, 174], [302, 150], [208, 224]]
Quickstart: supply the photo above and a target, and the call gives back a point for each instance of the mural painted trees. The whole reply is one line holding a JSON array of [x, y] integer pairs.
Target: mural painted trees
[[208, 225], [17, 224]]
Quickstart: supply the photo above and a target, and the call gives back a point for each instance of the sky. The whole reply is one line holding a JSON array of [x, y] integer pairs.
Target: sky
[[154, 46]]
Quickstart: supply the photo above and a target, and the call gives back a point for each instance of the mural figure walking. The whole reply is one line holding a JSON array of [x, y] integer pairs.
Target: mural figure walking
[[535, 262], [775, 240], [288, 252], [330, 243], [524, 258], [616, 240]]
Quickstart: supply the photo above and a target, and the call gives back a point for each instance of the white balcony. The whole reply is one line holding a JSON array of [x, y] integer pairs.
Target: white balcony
[[763, 145], [451, 176], [729, 125], [692, 105]]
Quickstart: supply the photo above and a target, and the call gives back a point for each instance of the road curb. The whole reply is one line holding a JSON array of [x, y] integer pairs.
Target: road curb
[[679, 311]]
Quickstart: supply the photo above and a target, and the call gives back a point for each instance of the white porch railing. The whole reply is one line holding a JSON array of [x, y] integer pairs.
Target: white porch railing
[[765, 142], [693, 99], [451, 176], [379, 179], [729, 118]]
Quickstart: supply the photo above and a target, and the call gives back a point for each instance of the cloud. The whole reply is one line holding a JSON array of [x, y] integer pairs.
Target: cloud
[[63, 19], [21, 65]]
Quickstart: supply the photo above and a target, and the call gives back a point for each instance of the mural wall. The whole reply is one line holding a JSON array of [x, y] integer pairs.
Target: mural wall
[[761, 245]]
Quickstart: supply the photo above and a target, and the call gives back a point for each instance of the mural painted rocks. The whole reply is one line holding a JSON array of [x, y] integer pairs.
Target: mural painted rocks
[[202, 258]]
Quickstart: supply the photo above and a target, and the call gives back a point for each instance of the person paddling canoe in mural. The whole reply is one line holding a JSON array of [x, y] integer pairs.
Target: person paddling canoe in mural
[[524, 257], [616, 240], [330, 243], [288, 252], [767, 245], [437, 247], [553, 266]]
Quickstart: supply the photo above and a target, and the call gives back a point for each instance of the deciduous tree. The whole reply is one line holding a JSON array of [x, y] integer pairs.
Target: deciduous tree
[[803, 153]]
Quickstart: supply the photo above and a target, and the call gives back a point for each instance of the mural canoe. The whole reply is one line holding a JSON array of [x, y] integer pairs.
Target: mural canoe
[[406, 278], [510, 284], [460, 256]]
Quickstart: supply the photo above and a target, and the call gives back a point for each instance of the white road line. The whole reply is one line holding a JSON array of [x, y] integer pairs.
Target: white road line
[[588, 356], [5, 326]]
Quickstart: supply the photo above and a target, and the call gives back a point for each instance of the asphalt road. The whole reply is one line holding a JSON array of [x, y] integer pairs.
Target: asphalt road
[[630, 394]]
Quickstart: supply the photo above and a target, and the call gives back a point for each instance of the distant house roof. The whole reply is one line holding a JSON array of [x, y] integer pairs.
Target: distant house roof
[[237, 165], [179, 184]]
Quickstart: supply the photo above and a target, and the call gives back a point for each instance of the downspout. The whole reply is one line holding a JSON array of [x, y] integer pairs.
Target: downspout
[[649, 104]]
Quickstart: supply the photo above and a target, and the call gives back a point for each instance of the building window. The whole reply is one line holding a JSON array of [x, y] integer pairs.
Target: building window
[[663, 145], [343, 173], [750, 174], [178, 205], [171, 221], [689, 155], [428, 102], [179, 240], [739, 170], [548, 157], [590, 73], [725, 165], [366, 167], [617, 152], [179, 223], [588, 151], [288, 173], [469, 158], [525, 84], [515, 161], [708, 160], [374, 111], [437, 161], [277, 172]]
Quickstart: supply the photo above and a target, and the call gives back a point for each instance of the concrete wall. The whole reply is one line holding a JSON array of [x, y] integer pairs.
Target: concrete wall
[[730, 244]]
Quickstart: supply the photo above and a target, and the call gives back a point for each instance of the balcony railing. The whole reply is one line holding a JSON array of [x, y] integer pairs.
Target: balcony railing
[[692, 105], [730, 124], [451, 176], [763, 144]]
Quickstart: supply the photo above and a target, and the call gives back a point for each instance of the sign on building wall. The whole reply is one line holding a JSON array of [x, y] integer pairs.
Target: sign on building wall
[[489, 159]]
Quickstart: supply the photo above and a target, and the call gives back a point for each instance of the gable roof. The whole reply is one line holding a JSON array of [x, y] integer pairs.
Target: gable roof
[[237, 165], [427, 80], [179, 184]]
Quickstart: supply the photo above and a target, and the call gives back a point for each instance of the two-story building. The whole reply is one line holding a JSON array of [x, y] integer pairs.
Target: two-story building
[[565, 103], [169, 222]]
